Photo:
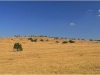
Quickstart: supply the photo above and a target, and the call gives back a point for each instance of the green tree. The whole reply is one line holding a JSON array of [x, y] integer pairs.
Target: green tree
[[71, 41], [17, 46], [64, 42]]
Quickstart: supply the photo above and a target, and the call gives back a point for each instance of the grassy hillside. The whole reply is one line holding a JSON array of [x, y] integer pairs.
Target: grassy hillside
[[49, 57]]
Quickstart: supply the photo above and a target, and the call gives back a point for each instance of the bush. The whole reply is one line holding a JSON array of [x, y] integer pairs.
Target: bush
[[18, 46], [78, 39], [56, 38], [64, 42], [30, 39], [41, 40], [57, 41], [65, 38], [71, 41], [83, 39], [90, 40], [35, 40], [47, 40]]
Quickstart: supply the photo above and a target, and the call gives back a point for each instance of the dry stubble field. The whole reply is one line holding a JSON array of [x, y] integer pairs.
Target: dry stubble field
[[49, 57]]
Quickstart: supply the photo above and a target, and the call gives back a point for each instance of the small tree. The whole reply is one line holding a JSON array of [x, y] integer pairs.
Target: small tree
[[41, 40], [90, 40], [57, 41], [78, 39], [71, 41], [30, 39], [35, 40], [64, 42], [18, 46], [47, 40]]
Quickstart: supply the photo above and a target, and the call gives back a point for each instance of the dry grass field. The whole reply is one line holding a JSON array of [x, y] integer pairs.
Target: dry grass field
[[49, 57]]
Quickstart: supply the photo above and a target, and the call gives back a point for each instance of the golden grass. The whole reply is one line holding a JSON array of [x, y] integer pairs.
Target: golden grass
[[49, 57]]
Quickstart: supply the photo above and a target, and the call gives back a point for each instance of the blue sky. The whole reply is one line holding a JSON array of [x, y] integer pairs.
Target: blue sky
[[71, 19]]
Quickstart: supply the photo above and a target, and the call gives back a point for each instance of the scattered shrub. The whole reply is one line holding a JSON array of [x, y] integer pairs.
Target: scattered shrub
[[90, 40], [65, 38], [83, 39], [57, 41], [41, 40], [47, 40], [71, 41], [30, 39], [62, 38], [56, 38], [78, 39], [45, 36], [41, 35], [35, 40], [17, 46], [17, 35], [64, 42]]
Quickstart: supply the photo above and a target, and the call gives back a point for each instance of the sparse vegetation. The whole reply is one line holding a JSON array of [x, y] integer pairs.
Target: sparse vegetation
[[57, 41], [52, 56], [64, 42], [17, 35], [71, 41], [47, 40], [62, 38], [35, 40], [90, 40], [78, 39], [55, 38], [32, 40], [83, 39], [41, 40], [65, 38]]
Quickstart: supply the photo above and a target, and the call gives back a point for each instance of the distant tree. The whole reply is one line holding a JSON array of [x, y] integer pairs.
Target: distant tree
[[71, 41], [90, 40], [64, 42], [47, 40], [16, 36], [31, 36], [65, 38], [78, 39], [62, 38], [57, 41], [32, 40], [35, 40], [41, 40], [83, 39], [41, 35], [56, 38], [45, 36]]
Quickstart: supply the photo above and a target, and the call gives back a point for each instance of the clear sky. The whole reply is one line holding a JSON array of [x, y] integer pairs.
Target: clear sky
[[70, 19]]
